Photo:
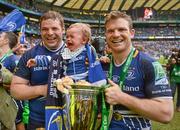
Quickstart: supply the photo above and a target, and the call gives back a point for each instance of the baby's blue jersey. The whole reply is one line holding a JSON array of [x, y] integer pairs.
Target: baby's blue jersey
[[77, 64], [145, 79], [76, 67], [36, 76]]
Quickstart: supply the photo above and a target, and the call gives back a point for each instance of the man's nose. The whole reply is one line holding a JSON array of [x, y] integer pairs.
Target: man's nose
[[67, 38], [50, 31], [116, 33]]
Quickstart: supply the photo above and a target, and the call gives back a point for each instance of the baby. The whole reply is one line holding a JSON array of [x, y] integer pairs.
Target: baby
[[74, 55]]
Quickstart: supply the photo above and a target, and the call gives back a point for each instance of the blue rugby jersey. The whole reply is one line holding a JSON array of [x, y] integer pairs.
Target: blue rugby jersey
[[36, 76], [76, 67], [11, 62], [145, 79]]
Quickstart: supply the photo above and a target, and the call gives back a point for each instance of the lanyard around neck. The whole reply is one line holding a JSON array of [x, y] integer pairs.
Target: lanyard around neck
[[124, 68], [5, 56]]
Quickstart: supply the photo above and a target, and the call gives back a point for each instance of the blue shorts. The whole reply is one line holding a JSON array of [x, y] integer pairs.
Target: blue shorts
[[33, 125], [19, 104], [120, 125]]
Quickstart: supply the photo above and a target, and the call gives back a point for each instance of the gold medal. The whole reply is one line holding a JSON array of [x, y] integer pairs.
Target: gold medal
[[117, 116]]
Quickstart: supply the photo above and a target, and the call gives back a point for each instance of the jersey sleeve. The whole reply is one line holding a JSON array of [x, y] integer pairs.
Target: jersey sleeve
[[156, 82], [10, 63], [6, 76]]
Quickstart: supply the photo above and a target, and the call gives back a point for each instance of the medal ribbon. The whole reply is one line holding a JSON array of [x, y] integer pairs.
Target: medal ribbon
[[124, 68], [106, 107]]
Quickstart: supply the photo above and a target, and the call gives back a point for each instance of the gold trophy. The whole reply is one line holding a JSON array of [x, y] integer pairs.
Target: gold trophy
[[81, 105]]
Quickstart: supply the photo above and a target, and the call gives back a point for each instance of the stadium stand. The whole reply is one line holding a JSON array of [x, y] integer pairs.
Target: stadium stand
[[158, 33]]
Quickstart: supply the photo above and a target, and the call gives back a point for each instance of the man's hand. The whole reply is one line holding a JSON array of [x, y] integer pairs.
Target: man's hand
[[113, 93]]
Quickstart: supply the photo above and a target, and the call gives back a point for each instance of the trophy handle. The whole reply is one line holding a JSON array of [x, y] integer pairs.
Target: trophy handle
[[110, 114]]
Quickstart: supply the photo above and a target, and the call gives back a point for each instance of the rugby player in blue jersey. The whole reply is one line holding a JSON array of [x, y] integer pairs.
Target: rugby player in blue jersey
[[9, 40], [139, 89], [31, 83]]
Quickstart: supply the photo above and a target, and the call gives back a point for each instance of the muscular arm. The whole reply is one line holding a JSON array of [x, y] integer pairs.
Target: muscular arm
[[20, 89], [157, 109]]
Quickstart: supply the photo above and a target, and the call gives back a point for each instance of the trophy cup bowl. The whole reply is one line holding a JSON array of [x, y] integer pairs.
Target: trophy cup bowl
[[81, 107]]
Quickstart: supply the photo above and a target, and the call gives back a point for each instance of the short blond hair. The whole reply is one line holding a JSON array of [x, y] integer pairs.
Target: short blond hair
[[85, 28]]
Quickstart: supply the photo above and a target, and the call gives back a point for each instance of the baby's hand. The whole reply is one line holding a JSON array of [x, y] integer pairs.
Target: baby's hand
[[31, 63], [105, 59]]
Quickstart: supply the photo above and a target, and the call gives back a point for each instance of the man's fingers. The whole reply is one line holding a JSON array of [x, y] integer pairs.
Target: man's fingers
[[111, 82]]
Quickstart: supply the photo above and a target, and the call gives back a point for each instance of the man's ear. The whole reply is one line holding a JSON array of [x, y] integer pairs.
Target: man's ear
[[132, 33]]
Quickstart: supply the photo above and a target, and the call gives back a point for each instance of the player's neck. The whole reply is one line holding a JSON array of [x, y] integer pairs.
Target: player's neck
[[54, 49], [120, 58]]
